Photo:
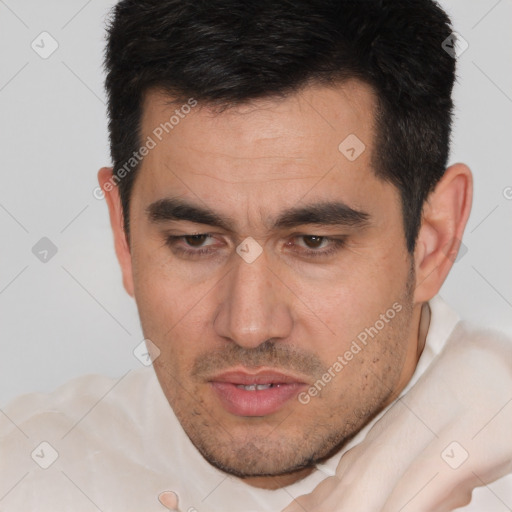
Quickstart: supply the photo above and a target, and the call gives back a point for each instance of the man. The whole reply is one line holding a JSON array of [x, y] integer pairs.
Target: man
[[284, 219]]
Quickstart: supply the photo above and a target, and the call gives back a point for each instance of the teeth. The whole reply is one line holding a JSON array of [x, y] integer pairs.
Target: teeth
[[254, 387]]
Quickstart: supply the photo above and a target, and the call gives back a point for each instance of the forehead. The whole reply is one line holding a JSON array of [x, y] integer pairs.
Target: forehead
[[303, 127], [267, 154]]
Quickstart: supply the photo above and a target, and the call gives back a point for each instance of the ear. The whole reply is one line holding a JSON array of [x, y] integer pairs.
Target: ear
[[116, 221], [444, 218]]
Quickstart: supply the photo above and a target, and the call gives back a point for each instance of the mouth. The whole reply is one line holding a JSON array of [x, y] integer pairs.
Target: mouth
[[255, 394]]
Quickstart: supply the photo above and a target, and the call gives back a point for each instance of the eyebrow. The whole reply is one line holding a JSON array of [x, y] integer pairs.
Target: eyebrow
[[322, 213]]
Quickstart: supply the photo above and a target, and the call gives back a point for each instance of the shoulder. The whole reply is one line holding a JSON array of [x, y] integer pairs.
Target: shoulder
[[53, 414], [473, 365], [482, 346], [92, 434], [448, 332]]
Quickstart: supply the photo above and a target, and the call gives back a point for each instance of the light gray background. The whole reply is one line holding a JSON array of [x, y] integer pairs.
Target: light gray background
[[70, 315]]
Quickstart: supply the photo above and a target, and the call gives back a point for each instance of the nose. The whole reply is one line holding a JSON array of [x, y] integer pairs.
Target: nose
[[253, 305]]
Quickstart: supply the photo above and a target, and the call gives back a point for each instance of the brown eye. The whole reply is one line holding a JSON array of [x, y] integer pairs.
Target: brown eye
[[316, 246], [313, 241], [196, 240], [193, 246]]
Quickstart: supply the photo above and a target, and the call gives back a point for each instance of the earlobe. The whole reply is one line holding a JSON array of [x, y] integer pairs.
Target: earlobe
[[444, 218], [115, 210]]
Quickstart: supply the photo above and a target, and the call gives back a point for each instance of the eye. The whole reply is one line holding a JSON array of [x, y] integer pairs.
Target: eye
[[196, 240], [191, 245], [317, 245], [203, 244], [314, 241]]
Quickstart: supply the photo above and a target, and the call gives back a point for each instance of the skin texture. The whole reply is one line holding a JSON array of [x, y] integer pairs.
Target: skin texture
[[288, 310]]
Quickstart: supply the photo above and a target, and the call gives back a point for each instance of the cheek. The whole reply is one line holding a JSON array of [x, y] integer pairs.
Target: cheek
[[366, 347], [159, 290], [354, 298], [161, 298], [363, 370], [174, 312]]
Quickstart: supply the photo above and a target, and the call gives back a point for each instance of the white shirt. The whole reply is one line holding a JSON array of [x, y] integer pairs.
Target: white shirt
[[114, 445]]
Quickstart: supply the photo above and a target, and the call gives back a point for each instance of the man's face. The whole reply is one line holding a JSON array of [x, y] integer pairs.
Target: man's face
[[244, 339]]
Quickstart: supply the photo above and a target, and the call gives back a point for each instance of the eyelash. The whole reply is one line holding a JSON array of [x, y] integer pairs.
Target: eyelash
[[173, 240]]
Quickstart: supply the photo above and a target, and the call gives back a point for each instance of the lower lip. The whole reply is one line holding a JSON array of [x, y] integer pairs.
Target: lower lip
[[262, 402]]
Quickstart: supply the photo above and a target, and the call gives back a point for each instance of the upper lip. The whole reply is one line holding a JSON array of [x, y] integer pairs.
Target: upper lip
[[245, 378]]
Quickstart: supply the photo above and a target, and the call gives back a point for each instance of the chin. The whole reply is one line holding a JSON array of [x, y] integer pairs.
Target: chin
[[258, 468], [263, 456]]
